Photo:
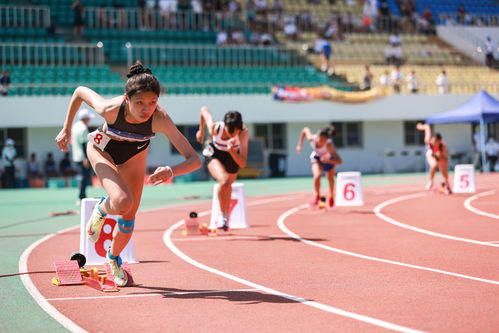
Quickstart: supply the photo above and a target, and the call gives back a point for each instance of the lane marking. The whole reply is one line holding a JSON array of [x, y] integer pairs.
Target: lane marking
[[283, 227], [468, 206], [369, 320], [223, 237], [151, 294], [492, 242], [35, 293], [378, 208]]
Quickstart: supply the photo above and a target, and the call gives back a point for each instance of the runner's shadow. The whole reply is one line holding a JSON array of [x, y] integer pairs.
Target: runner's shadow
[[239, 296]]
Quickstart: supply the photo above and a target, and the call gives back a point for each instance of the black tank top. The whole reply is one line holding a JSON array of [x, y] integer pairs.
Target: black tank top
[[121, 124]]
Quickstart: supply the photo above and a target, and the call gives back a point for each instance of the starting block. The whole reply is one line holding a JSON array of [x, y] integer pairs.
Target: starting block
[[68, 273], [321, 205]]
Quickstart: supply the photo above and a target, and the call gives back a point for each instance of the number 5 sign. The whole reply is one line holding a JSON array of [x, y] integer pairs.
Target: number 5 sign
[[464, 178], [349, 189], [96, 252]]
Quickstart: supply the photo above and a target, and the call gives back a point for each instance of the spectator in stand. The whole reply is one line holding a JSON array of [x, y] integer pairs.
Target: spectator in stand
[[222, 38], [348, 21], [65, 167], [442, 83], [261, 7], [491, 150], [33, 167], [254, 38], [323, 48], [396, 79], [290, 28], [489, 52], [428, 22], [412, 82], [234, 7], [238, 37], [50, 167], [9, 154], [394, 54], [4, 83], [78, 23], [367, 79], [461, 15], [384, 79], [266, 39]]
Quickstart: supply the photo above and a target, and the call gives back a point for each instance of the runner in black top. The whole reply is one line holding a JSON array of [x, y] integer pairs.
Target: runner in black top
[[118, 151]]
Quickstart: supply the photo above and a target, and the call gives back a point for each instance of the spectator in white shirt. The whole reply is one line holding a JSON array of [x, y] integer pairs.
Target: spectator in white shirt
[[491, 150], [489, 52], [412, 82], [384, 80], [442, 83], [396, 79]]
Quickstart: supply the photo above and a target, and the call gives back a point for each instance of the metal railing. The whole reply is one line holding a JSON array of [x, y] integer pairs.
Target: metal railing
[[167, 54], [54, 54], [133, 18], [24, 17]]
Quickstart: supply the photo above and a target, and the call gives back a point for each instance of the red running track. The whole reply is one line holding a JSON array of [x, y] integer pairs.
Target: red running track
[[351, 271]]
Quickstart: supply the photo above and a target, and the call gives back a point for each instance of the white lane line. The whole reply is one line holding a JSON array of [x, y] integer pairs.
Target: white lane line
[[468, 206], [369, 320], [202, 292], [378, 208], [222, 237], [283, 227], [37, 296], [492, 242]]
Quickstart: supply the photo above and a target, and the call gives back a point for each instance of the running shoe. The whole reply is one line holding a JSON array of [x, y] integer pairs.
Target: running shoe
[[120, 276], [331, 202], [95, 223], [225, 224], [315, 200], [429, 185]]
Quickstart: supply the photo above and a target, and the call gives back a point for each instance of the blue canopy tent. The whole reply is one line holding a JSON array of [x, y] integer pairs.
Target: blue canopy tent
[[480, 109]]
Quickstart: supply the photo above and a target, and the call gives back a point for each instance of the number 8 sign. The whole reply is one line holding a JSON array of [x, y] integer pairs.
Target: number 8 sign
[[464, 178], [348, 189], [96, 252]]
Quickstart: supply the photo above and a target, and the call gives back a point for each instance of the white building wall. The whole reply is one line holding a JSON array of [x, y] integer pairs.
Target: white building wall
[[382, 124]]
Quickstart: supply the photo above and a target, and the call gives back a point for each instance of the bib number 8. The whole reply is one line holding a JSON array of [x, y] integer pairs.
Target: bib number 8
[[103, 237]]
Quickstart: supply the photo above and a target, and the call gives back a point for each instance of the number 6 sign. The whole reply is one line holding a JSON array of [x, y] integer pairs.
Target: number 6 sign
[[96, 252], [464, 178], [348, 189]]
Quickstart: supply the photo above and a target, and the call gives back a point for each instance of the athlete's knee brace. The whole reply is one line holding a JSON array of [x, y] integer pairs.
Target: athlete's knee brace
[[129, 225]]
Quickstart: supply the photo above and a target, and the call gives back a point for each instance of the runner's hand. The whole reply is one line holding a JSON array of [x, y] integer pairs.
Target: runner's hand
[[160, 175], [199, 136], [63, 139], [298, 149]]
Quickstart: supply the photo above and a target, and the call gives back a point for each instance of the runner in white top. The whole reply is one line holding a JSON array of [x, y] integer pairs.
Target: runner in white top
[[226, 153], [324, 158]]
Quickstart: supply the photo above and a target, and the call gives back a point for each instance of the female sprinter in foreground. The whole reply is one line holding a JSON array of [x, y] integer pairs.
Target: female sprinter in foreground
[[117, 152], [324, 158], [226, 153], [437, 155]]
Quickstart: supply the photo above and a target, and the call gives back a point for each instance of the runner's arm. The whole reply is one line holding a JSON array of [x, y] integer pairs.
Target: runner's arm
[[427, 131], [305, 133], [162, 123], [241, 157], [205, 119]]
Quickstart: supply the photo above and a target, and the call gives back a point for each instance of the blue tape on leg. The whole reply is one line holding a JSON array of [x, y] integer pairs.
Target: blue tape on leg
[[122, 224], [98, 206], [118, 258]]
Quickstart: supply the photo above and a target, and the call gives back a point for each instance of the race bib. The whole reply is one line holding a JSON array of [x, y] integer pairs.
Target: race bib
[[99, 139], [208, 151]]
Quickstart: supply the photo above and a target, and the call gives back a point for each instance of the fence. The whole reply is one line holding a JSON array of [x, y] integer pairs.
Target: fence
[[24, 17], [54, 54], [132, 18], [166, 54]]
